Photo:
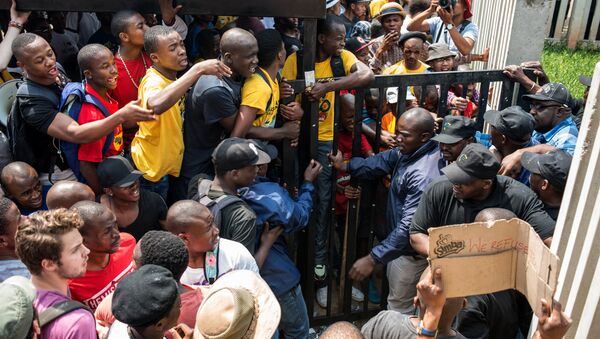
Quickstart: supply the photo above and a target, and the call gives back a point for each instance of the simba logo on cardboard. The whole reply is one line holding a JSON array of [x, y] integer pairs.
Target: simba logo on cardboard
[[445, 246]]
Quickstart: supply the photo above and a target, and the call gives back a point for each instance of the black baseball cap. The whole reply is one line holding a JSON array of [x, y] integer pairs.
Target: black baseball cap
[[585, 80], [474, 162], [455, 129], [355, 44], [117, 171], [553, 166], [236, 153], [144, 296], [410, 35], [552, 91], [266, 147], [512, 122]]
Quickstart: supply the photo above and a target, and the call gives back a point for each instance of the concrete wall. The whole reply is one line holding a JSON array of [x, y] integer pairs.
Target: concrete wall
[[513, 29]]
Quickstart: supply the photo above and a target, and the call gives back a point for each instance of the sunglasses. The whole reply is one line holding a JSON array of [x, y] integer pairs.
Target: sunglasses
[[540, 107]]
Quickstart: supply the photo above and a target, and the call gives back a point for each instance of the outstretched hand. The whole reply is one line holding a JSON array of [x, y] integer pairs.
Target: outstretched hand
[[133, 112], [213, 67]]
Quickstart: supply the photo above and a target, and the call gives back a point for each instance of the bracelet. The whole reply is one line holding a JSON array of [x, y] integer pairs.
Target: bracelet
[[532, 86], [16, 25], [425, 332]]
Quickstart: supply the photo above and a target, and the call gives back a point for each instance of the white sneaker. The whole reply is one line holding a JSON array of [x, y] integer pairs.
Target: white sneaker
[[322, 297], [357, 295]]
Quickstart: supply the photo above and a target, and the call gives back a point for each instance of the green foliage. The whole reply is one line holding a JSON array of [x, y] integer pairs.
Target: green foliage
[[565, 65]]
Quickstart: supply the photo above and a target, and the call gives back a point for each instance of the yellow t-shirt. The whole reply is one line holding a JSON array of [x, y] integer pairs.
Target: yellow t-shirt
[[400, 68], [326, 104], [157, 149], [5, 76], [375, 7], [256, 93]]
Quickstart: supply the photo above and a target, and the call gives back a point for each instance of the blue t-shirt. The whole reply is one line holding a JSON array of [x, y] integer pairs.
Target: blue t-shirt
[[12, 267], [439, 32]]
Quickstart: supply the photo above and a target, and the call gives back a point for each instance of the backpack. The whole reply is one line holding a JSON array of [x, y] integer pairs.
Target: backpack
[[336, 63], [72, 98], [58, 310], [19, 143], [214, 205], [265, 77]]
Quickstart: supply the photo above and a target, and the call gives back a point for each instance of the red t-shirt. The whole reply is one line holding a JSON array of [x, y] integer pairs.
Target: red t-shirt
[[96, 285], [343, 178], [126, 90], [92, 152], [127, 87]]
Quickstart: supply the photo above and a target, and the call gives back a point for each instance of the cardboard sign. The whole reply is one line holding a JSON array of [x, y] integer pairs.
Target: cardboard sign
[[482, 258]]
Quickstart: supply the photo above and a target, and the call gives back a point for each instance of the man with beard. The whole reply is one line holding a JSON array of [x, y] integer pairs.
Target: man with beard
[[470, 185], [110, 257], [50, 245], [554, 126]]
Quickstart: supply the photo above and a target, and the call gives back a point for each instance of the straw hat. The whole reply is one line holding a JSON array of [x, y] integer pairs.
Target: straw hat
[[238, 305], [391, 8]]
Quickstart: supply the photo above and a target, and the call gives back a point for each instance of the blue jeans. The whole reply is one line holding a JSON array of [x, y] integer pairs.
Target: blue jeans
[[322, 207], [161, 187], [294, 317]]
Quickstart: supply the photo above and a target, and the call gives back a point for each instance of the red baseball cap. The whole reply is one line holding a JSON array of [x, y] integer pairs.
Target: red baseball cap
[[468, 12]]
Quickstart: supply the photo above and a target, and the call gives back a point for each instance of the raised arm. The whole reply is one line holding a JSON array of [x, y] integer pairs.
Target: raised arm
[[167, 97]]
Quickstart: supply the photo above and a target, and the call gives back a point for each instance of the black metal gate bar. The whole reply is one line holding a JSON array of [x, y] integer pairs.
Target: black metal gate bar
[[443, 79], [293, 9]]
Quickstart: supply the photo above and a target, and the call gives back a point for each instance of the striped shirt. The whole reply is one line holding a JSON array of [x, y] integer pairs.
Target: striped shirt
[[563, 136]]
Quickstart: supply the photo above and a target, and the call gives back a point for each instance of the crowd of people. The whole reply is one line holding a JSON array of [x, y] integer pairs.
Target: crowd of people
[[141, 172]]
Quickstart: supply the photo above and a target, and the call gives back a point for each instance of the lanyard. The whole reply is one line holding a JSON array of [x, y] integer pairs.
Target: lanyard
[[211, 265]]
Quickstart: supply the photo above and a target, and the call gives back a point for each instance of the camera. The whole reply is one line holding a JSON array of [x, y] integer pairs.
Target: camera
[[447, 4]]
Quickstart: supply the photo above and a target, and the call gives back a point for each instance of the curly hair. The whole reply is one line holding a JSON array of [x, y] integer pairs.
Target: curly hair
[[38, 237], [164, 249]]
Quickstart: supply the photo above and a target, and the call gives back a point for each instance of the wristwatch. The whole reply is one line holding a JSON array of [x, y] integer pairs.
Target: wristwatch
[[449, 26], [421, 330]]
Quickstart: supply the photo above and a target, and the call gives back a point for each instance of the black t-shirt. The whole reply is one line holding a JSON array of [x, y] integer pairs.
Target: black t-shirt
[[38, 114], [497, 315], [552, 211], [292, 44], [202, 131], [152, 208], [439, 207], [348, 24]]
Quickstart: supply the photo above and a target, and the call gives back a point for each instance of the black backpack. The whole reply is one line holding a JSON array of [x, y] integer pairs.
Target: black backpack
[[214, 205], [59, 309], [19, 144], [336, 62], [265, 77]]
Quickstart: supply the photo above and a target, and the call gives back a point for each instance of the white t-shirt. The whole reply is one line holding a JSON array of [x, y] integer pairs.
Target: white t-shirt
[[232, 256]]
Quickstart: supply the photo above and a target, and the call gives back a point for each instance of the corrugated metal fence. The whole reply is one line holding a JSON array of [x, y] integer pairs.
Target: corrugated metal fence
[[575, 21]]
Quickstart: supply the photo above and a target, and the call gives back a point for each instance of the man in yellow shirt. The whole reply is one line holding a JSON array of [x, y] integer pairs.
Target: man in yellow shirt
[[330, 44], [411, 45], [261, 94], [157, 148]]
